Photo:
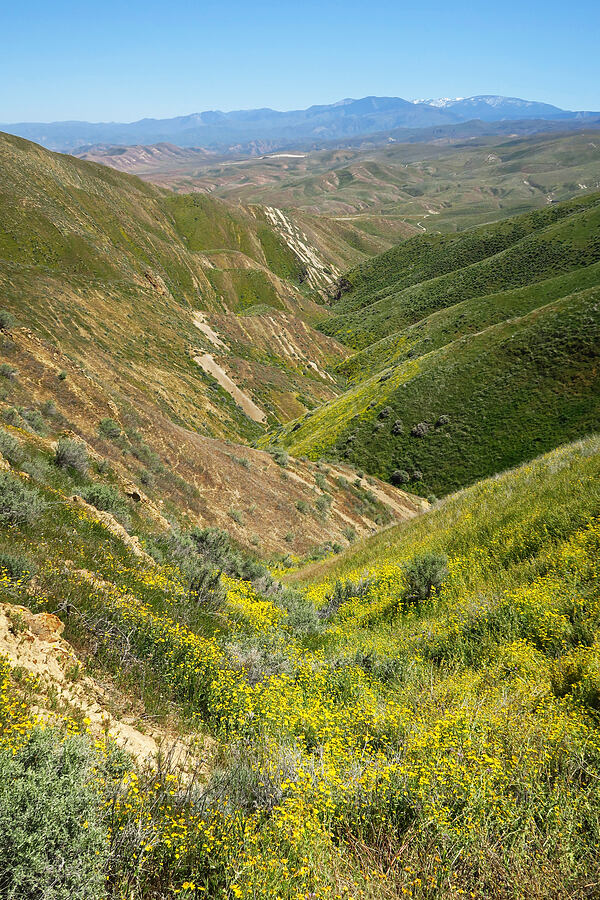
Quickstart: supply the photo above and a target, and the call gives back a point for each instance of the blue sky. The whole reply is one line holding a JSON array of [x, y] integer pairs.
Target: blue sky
[[121, 61]]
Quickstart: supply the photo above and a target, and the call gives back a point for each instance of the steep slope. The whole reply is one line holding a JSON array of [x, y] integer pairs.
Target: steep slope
[[112, 271], [421, 720], [460, 376], [153, 327]]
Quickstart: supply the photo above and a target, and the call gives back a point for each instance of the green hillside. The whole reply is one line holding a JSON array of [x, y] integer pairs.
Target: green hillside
[[421, 718], [476, 351], [427, 273], [111, 271]]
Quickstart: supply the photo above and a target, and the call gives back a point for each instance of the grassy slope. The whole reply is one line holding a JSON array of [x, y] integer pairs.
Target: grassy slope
[[425, 274], [504, 343], [109, 269], [441, 751]]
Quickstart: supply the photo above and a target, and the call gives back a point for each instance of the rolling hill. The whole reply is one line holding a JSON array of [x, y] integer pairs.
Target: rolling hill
[[476, 351]]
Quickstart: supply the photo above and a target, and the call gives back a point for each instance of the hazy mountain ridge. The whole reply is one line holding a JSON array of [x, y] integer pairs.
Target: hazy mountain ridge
[[346, 118]]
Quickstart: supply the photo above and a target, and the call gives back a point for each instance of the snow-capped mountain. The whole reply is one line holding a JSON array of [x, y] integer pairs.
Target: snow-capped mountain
[[491, 107]]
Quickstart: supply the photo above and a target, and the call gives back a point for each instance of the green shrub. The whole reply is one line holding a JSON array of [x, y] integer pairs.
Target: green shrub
[[33, 418], [205, 587], [10, 448], [107, 498], [400, 476], [425, 574], [109, 428], [323, 503], [146, 478], [7, 371], [46, 796], [321, 480], [19, 505], [420, 429], [62, 375], [48, 408], [71, 454], [342, 592], [12, 417], [302, 506], [236, 515], [280, 456], [7, 320], [17, 567]]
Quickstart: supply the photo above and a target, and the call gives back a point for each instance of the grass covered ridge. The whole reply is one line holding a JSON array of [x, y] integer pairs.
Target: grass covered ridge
[[471, 371]]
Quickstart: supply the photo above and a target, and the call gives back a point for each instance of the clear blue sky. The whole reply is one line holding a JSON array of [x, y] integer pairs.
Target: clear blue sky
[[121, 61]]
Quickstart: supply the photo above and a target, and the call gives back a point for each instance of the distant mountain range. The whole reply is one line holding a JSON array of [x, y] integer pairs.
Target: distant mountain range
[[260, 130]]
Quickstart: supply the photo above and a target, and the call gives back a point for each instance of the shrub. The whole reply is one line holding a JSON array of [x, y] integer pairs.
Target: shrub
[[10, 448], [109, 428], [397, 427], [400, 476], [48, 408], [417, 475], [107, 498], [349, 533], [214, 546], [322, 503], [146, 478], [425, 574], [386, 412], [19, 505], [442, 420], [7, 320], [236, 515], [46, 795], [342, 592], [205, 587], [302, 506], [71, 454], [421, 429], [33, 418], [38, 468], [289, 537], [17, 567], [321, 480], [12, 417], [7, 371], [280, 456], [62, 375]]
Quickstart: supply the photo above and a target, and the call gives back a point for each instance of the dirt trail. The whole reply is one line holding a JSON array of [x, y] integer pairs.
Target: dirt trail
[[254, 412], [203, 326]]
